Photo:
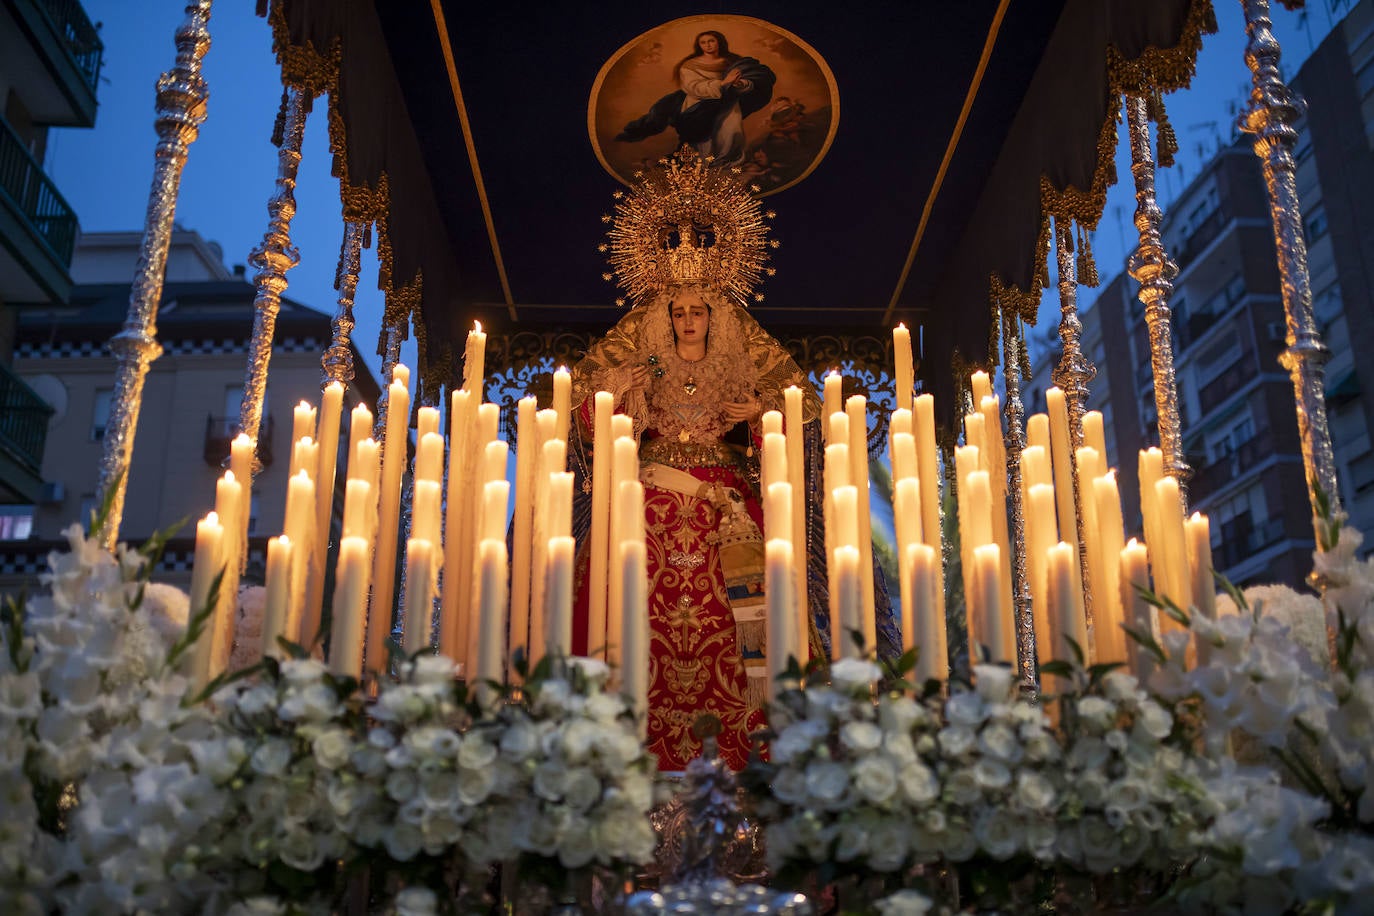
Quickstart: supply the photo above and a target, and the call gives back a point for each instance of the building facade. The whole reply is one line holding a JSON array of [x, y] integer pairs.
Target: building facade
[[191, 395], [50, 57]]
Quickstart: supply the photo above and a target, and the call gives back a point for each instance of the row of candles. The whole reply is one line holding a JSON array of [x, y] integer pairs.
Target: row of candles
[[492, 604]]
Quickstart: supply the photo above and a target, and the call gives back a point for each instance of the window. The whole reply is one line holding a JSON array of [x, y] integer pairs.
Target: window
[[100, 413], [1362, 472], [16, 523], [1315, 225], [1304, 150]]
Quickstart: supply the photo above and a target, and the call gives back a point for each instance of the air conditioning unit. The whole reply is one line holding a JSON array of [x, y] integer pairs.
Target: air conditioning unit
[[1278, 332], [52, 494]]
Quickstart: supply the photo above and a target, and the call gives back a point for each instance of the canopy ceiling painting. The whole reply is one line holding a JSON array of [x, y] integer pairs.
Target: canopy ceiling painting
[[950, 134]]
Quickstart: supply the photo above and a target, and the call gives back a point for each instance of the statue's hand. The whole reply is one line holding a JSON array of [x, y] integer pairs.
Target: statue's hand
[[743, 411]]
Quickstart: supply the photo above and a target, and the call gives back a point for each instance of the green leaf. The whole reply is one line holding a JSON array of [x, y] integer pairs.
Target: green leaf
[[906, 663], [1057, 668], [1176, 612], [1080, 658], [225, 679], [1097, 672], [196, 623], [1147, 642], [154, 547], [101, 514], [12, 629], [292, 649], [1230, 589]]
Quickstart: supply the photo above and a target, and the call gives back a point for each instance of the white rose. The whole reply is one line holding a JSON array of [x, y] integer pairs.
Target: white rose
[[826, 782], [271, 757], [549, 781], [861, 737], [887, 844], [403, 841], [918, 783], [604, 708], [1033, 791], [475, 785], [789, 786], [991, 774], [998, 833], [967, 709], [519, 741], [401, 785], [851, 840], [578, 738], [433, 669], [416, 901], [299, 850], [999, 740], [476, 751], [904, 903], [332, 748], [874, 779], [900, 714], [575, 846], [581, 788], [994, 683], [854, 675], [955, 741], [594, 670]]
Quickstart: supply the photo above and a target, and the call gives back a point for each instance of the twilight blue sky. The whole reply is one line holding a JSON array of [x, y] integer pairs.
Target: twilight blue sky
[[105, 172]]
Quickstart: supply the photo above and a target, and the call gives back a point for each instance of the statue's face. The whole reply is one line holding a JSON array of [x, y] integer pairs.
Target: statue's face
[[708, 44], [691, 318]]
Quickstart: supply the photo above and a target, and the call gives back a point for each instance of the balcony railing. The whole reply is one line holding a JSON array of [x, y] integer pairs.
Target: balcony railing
[[1202, 236], [81, 38], [1252, 451], [23, 421], [219, 436], [1228, 383], [35, 196], [1239, 542]]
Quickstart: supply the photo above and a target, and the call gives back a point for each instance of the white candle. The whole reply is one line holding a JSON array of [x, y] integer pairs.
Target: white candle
[[228, 505], [1061, 459], [981, 384], [326, 474], [426, 422], [624, 468], [622, 426], [1171, 557], [429, 457], [278, 593], [904, 457], [774, 472], [847, 517], [602, 459], [522, 524], [634, 673], [781, 637], [302, 423], [1038, 431], [300, 528], [359, 429], [856, 408], [559, 589], [1041, 535], [1107, 609], [1066, 601], [796, 475], [987, 565], [777, 510], [357, 504], [1139, 614], [491, 630], [206, 566], [350, 603], [394, 460], [927, 470], [1035, 467], [426, 504], [562, 402], [1090, 463], [419, 609], [455, 606], [474, 361], [995, 457], [833, 402], [849, 595], [907, 522], [772, 422], [241, 452], [305, 455], [1094, 434], [903, 370], [1204, 589], [495, 501], [630, 502], [927, 614]]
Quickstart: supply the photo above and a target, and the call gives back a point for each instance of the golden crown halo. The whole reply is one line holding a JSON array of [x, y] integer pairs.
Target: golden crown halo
[[686, 221]]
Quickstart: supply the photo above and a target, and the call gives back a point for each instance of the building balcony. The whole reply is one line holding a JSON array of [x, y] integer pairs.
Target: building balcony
[[23, 430], [37, 228], [1229, 468], [51, 50], [1241, 372], [219, 436], [1241, 539], [1202, 236]]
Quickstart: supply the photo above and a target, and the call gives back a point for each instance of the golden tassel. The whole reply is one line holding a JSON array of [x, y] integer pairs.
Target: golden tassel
[[1168, 140], [1087, 269], [279, 126]]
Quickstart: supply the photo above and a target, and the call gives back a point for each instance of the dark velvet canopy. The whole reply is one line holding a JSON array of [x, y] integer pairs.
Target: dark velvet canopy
[[961, 127]]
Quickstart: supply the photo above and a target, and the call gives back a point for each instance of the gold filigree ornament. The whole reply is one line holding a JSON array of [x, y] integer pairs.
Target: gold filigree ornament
[[687, 221]]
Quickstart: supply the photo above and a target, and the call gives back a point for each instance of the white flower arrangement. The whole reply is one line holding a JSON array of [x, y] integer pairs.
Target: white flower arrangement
[[124, 794]]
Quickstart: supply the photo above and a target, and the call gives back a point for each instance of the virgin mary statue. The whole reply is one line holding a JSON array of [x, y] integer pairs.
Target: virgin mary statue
[[696, 372]]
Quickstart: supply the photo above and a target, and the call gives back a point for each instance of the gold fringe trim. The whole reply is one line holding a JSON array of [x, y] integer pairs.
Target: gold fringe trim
[[302, 66], [1154, 71]]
